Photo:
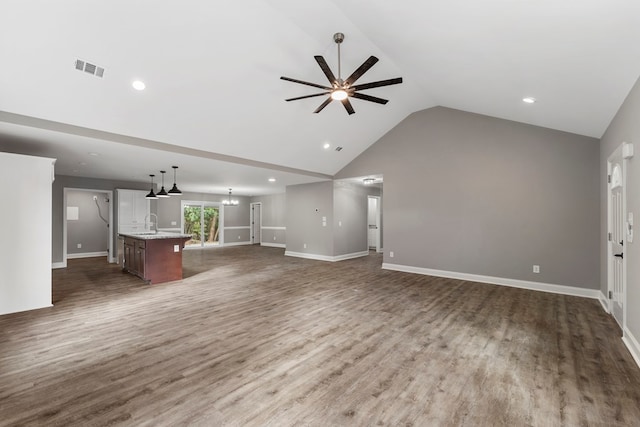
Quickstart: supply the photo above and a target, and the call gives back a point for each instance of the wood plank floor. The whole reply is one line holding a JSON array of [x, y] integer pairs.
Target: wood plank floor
[[253, 338]]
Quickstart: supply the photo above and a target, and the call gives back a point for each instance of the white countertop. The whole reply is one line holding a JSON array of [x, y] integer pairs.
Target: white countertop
[[152, 235]]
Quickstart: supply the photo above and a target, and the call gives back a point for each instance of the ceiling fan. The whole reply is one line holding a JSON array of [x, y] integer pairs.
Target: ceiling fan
[[342, 90]]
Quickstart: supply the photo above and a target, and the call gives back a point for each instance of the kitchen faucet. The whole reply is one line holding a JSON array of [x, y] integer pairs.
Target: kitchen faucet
[[150, 222]]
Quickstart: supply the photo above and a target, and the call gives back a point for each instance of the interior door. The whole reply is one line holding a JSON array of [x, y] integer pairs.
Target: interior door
[[255, 224], [617, 271]]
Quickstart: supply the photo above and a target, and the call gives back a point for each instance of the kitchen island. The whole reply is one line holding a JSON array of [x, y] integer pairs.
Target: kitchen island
[[156, 257]]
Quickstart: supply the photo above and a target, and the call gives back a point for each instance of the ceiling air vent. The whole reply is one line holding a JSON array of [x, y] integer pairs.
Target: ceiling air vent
[[338, 148], [87, 67]]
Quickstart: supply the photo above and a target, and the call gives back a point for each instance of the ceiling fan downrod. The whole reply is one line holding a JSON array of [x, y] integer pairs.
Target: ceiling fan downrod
[[339, 38]]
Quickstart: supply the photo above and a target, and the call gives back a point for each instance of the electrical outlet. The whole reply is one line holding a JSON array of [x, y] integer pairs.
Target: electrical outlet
[[176, 248], [536, 269], [274, 237], [391, 254], [174, 223], [304, 245], [95, 198], [238, 237], [79, 245]]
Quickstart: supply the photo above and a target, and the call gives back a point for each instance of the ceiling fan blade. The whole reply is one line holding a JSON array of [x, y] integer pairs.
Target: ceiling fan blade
[[348, 106], [361, 70], [289, 79], [378, 84], [325, 69], [307, 96], [324, 104], [370, 98]]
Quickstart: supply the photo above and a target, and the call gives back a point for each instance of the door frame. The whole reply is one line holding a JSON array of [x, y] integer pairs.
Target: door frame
[[618, 152], [111, 257], [252, 220], [203, 204]]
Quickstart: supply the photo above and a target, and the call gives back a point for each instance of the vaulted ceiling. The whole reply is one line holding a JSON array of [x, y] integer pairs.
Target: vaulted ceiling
[[214, 103]]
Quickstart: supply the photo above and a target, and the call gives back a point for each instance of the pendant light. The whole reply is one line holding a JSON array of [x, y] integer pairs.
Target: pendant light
[[174, 191], [151, 195], [162, 193], [229, 202]]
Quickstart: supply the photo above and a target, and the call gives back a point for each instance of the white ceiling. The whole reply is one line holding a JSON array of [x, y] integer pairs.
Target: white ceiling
[[214, 103]]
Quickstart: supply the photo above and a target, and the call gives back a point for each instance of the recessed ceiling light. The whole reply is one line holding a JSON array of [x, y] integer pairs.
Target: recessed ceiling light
[[326, 146], [138, 85], [272, 180], [529, 100], [83, 163], [94, 154]]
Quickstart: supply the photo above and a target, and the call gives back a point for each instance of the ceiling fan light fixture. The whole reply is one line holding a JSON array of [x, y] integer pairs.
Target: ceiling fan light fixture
[[343, 90], [339, 94]]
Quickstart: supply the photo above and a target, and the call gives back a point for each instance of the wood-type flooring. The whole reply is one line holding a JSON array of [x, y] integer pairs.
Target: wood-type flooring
[[253, 338]]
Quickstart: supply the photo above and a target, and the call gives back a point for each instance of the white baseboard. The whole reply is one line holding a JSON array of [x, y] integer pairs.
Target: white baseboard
[[632, 344], [23, 309], [326, 257], [87, 255], [55, 265], [237, 243], [604, 301], [274, 245], [514, 283]]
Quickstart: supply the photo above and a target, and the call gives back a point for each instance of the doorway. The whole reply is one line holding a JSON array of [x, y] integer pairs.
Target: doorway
[[87, 219], [203, 221], [374, 223], [256, 223]]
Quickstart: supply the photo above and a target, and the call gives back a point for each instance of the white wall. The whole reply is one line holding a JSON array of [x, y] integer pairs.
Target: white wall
[[25, 218]]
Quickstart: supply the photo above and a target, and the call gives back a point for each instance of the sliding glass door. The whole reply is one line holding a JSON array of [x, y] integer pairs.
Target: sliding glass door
[[203, 222]]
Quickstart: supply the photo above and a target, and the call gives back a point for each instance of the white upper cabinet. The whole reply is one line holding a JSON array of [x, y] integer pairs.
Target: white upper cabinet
[[133, 207]]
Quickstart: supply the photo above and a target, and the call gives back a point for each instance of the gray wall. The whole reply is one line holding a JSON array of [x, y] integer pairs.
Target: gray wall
[[89, 229], [57, 218], [624, 127], [273, 209], [474, 194], [273, 215], [350, 207], [306, 205]]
